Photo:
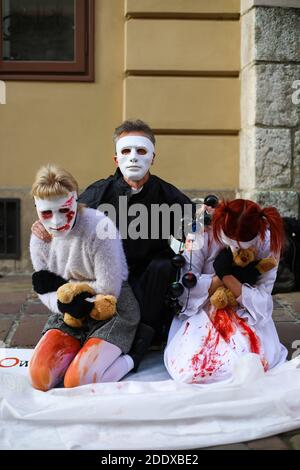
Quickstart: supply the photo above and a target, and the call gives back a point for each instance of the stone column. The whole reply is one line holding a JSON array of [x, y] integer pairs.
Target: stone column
[[270, 115]]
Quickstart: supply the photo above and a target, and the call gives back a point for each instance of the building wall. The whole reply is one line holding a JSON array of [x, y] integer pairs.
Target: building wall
[[270, 136], [67, 123], [173, 63], [182, 62]]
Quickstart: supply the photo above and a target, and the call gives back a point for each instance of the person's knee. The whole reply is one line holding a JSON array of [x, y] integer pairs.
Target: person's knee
[[72, 378], [80, 370], [76, 375], [40, 376], [46, 365]]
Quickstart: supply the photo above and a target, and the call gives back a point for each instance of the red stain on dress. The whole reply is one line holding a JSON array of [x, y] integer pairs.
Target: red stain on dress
[[223, 323], [207, 360], [253, 339]]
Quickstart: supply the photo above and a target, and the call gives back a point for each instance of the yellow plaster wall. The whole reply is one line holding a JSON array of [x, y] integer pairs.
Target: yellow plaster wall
[[68, 123], [182, 63], [183, 6], [189, 103], [210, 161], [186, 45], [173, 63]]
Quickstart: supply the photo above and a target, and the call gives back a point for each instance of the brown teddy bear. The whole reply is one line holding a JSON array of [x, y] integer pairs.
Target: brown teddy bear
[[223, 297], [104, 305]]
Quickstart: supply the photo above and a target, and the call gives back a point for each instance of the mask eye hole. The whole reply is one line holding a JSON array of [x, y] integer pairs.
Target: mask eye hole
[[64, 210], [125, 151], [46, 214], [141, 151]]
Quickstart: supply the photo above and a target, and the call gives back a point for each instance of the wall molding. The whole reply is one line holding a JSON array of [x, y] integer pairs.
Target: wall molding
[[248, 4]]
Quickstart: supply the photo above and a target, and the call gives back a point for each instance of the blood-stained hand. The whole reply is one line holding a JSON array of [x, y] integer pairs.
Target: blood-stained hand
[[39, 231]]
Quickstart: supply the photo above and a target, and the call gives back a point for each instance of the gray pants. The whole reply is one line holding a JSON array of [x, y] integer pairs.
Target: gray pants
[[119, 330]]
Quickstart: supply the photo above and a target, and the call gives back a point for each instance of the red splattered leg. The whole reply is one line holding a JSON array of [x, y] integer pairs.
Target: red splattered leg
[[51, 358], [92, 363]]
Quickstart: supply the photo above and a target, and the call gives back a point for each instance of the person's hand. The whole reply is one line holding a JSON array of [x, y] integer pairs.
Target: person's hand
[[247, 275], [223, 263], [39, 231], [78, 307], [44, 281]]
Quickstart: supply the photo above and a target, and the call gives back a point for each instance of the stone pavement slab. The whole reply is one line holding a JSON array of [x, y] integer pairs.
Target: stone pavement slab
[[268, 443], [28, 331], [5, 326], [295, 442]]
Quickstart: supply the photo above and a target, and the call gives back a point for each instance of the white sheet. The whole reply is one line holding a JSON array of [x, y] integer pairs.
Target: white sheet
[[142, 414]]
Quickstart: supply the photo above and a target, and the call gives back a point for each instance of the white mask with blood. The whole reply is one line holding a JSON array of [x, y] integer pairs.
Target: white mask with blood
[[234, 245], [135, 156], [58, 214]]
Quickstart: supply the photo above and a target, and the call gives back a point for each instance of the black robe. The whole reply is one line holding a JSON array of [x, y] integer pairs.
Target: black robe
[[149, 260], [139, 252]]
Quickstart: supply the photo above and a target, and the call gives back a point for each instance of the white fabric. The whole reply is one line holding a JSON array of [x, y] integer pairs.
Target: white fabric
[[235, 245], [83, 256], [149, 411], [58, 214], [192, 333], [132, 163]]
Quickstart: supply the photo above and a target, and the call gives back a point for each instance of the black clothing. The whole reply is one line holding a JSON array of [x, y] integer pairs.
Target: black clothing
[[148, 259]]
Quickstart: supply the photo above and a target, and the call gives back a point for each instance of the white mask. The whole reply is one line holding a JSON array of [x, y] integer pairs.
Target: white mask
[[234, 245], [58, 214], [134, 155]]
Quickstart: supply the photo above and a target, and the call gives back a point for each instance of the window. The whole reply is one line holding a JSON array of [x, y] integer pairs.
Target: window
[[47, 40], [9, 228]]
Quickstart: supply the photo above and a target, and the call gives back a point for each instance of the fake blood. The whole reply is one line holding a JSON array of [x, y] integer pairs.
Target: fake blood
[[247, 331], [70, 216], [223, 323], [207, 360], [69, 202]]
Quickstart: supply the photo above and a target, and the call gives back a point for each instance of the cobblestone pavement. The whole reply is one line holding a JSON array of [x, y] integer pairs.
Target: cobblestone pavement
[[22, 317]]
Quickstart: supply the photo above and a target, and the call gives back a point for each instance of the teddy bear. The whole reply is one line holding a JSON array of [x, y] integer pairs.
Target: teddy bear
[[223, 297], [104, 305]]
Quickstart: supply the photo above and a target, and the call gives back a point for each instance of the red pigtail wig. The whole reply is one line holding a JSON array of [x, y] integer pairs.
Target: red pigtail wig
[[243, 220]]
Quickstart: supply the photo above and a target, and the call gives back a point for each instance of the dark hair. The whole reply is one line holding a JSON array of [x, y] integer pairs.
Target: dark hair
[[134, 126]]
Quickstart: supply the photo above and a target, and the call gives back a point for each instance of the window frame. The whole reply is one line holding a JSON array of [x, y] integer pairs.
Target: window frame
[[5, 255], [82, 69]]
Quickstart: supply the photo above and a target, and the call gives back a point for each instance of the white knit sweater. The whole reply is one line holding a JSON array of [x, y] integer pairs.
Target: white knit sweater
[[83, 256]]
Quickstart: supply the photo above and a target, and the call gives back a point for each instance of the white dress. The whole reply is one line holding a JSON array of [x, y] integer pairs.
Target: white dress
[[203, 345]]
